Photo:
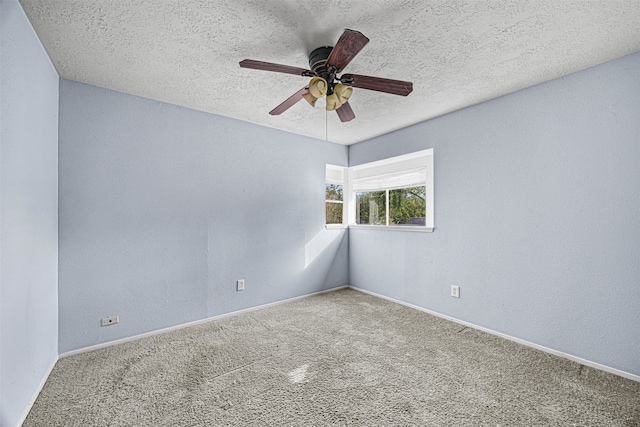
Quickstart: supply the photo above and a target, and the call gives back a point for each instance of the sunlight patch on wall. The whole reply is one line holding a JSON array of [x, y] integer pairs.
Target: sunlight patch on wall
[[319, 244]]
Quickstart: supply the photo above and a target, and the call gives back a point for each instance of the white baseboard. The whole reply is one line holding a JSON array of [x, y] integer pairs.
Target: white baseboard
[[27, 409], [577, 359], [196, 322]]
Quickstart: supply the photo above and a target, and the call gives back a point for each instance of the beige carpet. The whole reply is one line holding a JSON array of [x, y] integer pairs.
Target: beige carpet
[[342, 358]]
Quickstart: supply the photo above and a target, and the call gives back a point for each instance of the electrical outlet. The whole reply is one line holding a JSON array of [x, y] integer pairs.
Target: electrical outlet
[[240, 285], [455, 291], [107, 321]]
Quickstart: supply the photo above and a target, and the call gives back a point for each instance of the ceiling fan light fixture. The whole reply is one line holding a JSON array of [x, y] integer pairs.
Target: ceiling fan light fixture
[[333, 103], [344, 92], [318, 87], [310, 98]]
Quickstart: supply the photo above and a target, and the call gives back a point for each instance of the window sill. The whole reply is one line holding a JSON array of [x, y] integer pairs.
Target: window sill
[[393, 228], [380, 227], [335, 226]]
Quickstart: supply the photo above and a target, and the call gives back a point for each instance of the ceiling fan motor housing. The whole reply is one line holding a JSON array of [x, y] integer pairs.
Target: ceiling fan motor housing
[[318, 58]]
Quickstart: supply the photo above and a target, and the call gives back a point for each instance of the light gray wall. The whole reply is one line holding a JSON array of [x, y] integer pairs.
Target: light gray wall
[[537, 216], [28, 214], [162, 208]]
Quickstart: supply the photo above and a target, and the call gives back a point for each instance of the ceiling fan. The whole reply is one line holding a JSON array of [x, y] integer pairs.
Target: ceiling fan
[[326, 62]]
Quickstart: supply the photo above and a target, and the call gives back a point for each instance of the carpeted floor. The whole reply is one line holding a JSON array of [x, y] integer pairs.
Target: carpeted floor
[[341, 358]]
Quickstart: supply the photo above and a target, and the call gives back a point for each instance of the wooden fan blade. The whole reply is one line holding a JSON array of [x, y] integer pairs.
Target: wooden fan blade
[[349, 44], [288, 103], [395, 87], [278, 68], [345, 112]]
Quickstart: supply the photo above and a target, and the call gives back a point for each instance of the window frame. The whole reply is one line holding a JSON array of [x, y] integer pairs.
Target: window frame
[[387, 201], [340, 202], [385, 170], [336, 175]]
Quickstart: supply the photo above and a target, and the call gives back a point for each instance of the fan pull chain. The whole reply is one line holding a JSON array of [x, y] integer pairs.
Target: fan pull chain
[[326, 126]]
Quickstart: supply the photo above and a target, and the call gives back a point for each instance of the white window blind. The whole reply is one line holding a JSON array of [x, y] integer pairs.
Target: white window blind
[[335, 174], [403, 179]]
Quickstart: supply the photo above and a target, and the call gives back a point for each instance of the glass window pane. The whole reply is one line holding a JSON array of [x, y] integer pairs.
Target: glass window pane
[[333, 192], [334, 213], [408, 206], [371, 208]]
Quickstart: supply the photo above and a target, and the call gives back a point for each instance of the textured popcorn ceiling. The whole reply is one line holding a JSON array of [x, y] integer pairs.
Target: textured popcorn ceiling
[[456, 53]]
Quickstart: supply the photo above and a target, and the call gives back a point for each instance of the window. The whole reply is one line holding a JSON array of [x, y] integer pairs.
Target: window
[[401, 207], [393, 194], [334, 195], [371, 207], [408, 206], [396, 193], [334, 203]]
